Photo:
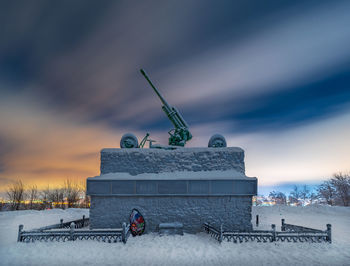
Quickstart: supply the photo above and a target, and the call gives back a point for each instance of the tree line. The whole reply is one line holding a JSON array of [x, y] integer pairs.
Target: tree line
[[335, 192], [69, 195]]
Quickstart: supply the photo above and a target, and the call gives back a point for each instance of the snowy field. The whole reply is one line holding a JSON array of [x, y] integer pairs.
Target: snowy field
[[197, 249]]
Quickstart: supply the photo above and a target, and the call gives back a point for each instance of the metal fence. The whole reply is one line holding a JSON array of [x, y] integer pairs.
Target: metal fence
[[295, 233], [80, 223], [289, 233], [74, 233], [297, 228]]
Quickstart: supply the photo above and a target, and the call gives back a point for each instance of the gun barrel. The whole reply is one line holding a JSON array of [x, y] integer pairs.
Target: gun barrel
[[164, 102], [181, 133]]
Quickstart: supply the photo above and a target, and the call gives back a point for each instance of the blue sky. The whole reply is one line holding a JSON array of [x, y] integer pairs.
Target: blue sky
[[271, 76]]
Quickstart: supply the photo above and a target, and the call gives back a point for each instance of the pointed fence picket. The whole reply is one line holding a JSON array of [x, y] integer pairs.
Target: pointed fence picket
[[288, 233], [72, 231]]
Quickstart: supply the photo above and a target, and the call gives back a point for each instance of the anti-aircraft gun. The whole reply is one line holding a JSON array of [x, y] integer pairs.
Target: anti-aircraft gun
[[178, 135]]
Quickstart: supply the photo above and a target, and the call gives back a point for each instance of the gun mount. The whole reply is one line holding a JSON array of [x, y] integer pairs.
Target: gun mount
[[180, 134]]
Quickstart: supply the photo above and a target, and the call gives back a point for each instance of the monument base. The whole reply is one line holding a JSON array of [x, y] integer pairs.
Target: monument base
[[234, 212], [190, 186]]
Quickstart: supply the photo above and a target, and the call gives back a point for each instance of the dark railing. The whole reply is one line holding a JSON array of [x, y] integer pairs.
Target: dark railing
[[297, 228], [213, 232], [74, 233], [80, 223], [240, 236], [304, 234], [294, 234]]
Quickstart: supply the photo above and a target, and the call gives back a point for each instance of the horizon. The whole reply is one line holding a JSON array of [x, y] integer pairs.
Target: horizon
[[285, 188], [272, 77]]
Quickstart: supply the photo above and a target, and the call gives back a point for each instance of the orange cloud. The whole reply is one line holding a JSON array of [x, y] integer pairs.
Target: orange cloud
[[49, 147]]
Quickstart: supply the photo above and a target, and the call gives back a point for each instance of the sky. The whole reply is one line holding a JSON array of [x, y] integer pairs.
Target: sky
[[273, 77]]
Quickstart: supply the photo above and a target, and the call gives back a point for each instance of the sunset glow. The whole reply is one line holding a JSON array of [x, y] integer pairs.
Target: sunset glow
[[273, 78]]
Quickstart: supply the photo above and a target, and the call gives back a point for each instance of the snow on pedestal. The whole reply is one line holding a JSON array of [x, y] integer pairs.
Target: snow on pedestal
[[186, 185]]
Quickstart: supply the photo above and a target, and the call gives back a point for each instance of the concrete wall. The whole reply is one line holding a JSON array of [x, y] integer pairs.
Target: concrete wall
[[186, 185], [139, 161], [232, 211], [98, 186]]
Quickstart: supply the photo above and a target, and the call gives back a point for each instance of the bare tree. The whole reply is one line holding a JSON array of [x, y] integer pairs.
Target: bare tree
[[86, 198], [45, 197], [32, 193], [15, 194], [327, 192], [294, 196], [341, 184], [56, 196], [313, 197], [305, 193], [72, 192], [336, 190], [279, 197]]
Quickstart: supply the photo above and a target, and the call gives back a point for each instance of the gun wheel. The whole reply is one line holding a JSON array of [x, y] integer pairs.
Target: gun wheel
[[128, 141], [217, 141]]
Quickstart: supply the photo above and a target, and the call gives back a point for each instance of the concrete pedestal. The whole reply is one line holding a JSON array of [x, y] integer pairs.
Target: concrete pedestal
[[187, 185]]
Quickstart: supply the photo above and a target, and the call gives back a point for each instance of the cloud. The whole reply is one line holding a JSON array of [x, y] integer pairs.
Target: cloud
[[310, 152], [49, 147], [297, 47], [277, 110], [4, 181], [90, 71], [284, 55], [70, 83], [6, 147], [41, 32]]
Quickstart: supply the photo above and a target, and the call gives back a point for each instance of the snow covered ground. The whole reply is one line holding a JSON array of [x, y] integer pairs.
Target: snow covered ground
[[197, 249]]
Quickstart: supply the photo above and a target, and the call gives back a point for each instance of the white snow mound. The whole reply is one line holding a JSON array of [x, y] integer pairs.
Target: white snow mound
[[189, 249]]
